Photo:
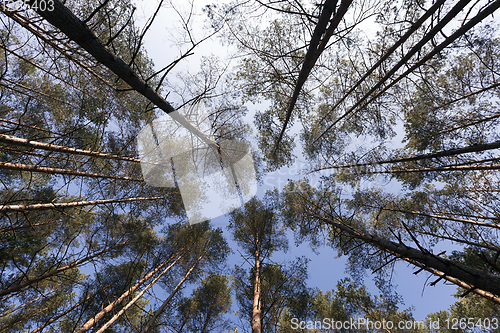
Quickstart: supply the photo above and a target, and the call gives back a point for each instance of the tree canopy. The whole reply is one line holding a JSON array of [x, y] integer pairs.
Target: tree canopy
[[392, 106]]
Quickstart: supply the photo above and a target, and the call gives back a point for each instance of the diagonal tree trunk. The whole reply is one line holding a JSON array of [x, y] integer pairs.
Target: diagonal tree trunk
[[139, 295], [33, 91], [468, 275], [57, 171], [444, 153], [38, 66], [19, 286], [493, 86], [10, 139], [63, 19], [359, 105], [459, 283], [60, 205], [309, 59], [453, 239], [443, 168], [27, 126], [85, 327], [65, 312], [26, 304], [393, 48], [24, 22], [473, 222], [167, 301], [451, 129], [14, 229]]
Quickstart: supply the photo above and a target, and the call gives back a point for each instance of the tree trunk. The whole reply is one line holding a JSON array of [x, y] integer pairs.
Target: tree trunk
[[65, 312], [453, 239], [165, 303], [34, 91], [111, 305], [459, 283], [205, 323], [38, 66], [473, 222], [63, 19], [28, 126], [471, 276], [35, 168], [25, 304], [393, 48], [23, 21], [256, 306], [10, 139], [59, 205], [451, 152], [460, 5], [14, 229], [184, 322], [471, 23], [9, 326], [139, 295], [29, 282], [443, 168], [313, 52]]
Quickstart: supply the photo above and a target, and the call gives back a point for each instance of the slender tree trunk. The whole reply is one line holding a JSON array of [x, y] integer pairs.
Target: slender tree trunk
[[314, 50], [39, 155], [167, 301], [444, 168], [59, 205], [474, 122], [23, 21], [63, 19], [38, 66], [471, 276], [468, 215], [34, 91], [10, 139], [26, 125], [393, 48], [460, 5], [256, 306], [25, 304], [453, 239], [31, 281], [444, 153], [473, 222], [65, 312], [35, 168], [14, 229], [111, 305], [12, 324], [206, 321], [184, 322], [139, 295]]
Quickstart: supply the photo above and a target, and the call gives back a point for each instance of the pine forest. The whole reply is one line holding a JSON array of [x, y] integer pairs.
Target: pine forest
[[180, 166]]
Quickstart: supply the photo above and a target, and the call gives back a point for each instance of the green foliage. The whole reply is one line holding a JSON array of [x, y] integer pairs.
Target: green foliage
[[468, 315], [204, 310], [257, 229]]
